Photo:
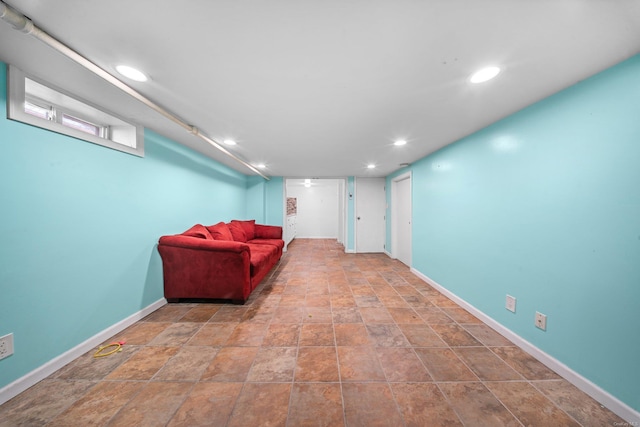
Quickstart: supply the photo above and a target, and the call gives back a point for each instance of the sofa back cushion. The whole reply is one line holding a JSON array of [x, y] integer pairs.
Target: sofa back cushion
[[220, 231], [249, 227], [199, 231], [237, 232]]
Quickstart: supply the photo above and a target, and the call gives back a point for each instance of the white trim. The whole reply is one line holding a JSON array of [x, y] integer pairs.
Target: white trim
[[349, 251], [21, 384], [389, 255], [605, 398], [343, 213], [355, 216]]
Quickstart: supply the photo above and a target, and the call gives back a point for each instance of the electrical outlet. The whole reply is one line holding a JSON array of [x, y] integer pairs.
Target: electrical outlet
[[541, 321], [511, 303], [6, 346]]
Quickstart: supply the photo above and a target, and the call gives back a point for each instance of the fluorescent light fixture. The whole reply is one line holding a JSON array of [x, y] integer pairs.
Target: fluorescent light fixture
[[371, 166], [400, 142], [229, 142], [484, 74], [131, 73]]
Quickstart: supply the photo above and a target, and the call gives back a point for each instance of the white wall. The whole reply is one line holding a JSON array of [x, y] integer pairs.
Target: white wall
[[318, 208]]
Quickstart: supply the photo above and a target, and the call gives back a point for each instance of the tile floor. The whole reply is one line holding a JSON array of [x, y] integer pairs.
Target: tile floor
[[329, 339]]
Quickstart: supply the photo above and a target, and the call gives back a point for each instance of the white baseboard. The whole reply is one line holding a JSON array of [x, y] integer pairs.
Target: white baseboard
[[21, 384], [605, 398], [349, 251], [389, 254]]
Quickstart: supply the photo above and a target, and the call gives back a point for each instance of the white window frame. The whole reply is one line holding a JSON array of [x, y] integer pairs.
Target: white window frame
[[115, 132]]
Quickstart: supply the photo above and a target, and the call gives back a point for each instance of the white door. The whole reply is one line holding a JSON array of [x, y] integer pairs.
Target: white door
[[401, 219], [370, 212]]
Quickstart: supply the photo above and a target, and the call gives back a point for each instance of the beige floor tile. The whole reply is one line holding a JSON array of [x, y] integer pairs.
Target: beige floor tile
[[317, 364], [370, 404], [529, 405], [273, 364], [422, 404], [261, 404], [230, 364], [208, 404], [154, 405], [476, 405], [316, 405]]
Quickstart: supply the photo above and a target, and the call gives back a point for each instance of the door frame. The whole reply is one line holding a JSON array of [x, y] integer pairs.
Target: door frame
[[342, 211], [394, 215]]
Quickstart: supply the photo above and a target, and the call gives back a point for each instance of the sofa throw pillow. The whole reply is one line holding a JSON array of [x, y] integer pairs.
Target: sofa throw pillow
[[199, 231], [249, 227], [237, 232], [220, 231]]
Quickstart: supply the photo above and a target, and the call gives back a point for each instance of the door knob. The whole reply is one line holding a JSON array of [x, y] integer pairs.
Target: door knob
[[358, 218]]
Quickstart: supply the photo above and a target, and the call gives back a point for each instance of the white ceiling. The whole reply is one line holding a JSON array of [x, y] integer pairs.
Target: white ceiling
[[322, 88]]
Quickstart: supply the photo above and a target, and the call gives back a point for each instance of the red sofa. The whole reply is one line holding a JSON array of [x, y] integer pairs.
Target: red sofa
[[221, 261]]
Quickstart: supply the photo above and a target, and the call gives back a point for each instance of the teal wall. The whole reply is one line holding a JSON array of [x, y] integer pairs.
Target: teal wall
[[79, 226], [265, 200], [274, 197], [545, 206], [255, 199]]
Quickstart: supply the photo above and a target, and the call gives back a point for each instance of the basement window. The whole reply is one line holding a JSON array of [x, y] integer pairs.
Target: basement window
[[39, 104]]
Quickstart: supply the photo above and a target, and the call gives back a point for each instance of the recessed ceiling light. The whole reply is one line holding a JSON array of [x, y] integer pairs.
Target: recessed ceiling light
[[229, 142], [484, 74], [307, 181], [371, 166], [261, 166], [400, 142], [131, 73]]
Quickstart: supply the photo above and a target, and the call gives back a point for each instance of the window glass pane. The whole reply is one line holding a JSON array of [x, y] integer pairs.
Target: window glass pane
[[81, 125], [38, 111]]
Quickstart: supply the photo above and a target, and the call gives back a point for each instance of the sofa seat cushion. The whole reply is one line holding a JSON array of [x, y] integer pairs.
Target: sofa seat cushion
[[262, 257], [279, 243]]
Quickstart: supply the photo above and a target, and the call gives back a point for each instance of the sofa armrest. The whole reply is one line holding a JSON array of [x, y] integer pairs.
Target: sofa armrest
[[268, 231], [201, 268], [188, 242]]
